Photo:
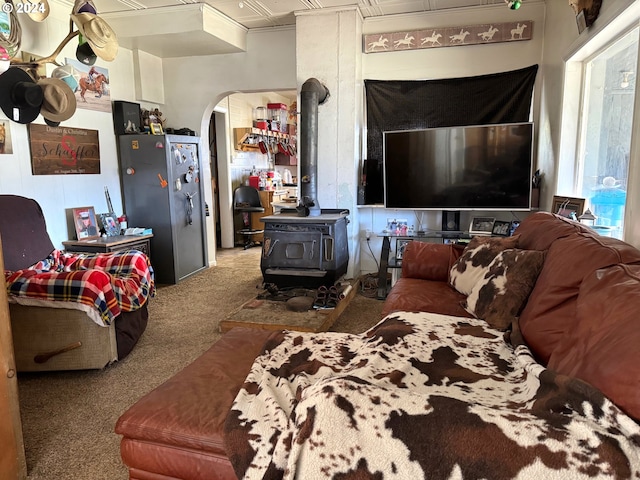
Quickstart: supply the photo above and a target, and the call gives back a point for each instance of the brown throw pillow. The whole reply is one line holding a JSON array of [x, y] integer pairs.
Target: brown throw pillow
[[474, 262], [503, 292]]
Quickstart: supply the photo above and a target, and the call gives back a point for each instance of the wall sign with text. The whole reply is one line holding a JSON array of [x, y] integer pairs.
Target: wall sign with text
[[448, 37], [63, 150]]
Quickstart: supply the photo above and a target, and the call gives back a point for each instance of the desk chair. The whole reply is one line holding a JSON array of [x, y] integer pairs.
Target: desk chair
[[246, 200]]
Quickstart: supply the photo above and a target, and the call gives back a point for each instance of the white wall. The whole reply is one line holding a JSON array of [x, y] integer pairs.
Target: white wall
[[54, 193], [329, 46]]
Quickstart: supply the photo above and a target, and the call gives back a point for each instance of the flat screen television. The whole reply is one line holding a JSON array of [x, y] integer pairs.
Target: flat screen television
[[479, 167]]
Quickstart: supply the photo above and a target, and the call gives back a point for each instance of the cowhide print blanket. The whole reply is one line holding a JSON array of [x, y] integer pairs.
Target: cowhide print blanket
[[421, 396]]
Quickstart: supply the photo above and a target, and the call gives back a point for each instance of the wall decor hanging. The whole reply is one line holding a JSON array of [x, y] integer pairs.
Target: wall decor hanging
[[92, 92], [503, 97], [63, 150], [448, 37], [5, 137]]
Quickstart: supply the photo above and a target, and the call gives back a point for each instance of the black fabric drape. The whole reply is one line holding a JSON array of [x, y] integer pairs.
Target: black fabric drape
[[412, 104]]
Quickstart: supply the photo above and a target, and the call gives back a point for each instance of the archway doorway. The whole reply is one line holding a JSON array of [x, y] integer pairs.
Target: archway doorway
[[231, 167]]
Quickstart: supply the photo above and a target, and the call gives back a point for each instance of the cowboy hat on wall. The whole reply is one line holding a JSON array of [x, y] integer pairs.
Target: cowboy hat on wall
[[59, 101], [20, 96]]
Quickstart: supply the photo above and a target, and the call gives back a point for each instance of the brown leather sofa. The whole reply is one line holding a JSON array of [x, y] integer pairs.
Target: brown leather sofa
[[580, 319]]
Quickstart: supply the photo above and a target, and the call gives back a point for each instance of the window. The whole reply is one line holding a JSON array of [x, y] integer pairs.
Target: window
[[606, 128]]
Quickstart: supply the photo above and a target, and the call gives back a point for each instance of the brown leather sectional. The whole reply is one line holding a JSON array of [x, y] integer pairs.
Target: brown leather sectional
[[580, 319]]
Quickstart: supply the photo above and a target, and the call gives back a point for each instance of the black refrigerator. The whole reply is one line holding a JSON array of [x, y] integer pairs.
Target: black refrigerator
[[162, 190]]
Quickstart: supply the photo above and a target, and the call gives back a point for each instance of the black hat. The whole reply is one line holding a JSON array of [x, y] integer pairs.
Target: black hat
[[20, 96], [85, 54]]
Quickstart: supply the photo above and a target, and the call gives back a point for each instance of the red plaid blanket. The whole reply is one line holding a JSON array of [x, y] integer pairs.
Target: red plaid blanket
[[111, 282]]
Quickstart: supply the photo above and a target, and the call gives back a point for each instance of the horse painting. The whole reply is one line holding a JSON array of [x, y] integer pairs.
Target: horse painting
[[96, 86]]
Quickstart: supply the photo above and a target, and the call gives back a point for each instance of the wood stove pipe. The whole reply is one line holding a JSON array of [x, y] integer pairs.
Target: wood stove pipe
[[312, 94]]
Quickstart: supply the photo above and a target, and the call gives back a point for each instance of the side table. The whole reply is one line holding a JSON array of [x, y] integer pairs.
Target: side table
[[428, 236], [111, 244]]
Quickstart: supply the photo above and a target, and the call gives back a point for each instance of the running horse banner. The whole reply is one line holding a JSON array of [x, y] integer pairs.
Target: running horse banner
[[63, 150]]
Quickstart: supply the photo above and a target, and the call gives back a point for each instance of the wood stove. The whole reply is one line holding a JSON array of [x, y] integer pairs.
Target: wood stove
[[305, 251], [306, 246]]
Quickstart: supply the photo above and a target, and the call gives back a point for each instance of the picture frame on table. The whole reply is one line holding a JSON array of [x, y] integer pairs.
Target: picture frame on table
[[110, 224], [401, 244], [481, 225], [570, 207], [84, 221], [156, 128], [501, 228], [397, 225]]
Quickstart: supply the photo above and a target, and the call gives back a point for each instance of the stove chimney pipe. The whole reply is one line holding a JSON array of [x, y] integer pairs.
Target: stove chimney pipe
[[312, 94]]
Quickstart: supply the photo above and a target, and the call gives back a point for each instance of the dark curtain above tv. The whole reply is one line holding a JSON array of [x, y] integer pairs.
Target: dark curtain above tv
[[412, 104]]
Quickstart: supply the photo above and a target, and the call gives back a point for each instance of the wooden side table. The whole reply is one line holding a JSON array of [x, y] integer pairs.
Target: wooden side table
[[111, 244]]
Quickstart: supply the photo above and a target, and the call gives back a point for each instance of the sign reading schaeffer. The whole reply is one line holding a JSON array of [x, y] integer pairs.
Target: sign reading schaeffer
[[63, 150]]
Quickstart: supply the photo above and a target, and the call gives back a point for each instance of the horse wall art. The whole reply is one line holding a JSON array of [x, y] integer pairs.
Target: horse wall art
[[96, 86]]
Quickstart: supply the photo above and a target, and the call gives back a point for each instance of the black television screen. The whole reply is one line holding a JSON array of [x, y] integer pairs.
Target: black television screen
[[480, 167]]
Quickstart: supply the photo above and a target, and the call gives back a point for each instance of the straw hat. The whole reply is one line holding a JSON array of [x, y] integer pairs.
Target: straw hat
[[38, 10], [59, 102], [20, 96], [98, 33]]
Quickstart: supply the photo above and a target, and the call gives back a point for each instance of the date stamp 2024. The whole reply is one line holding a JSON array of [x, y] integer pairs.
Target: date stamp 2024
[[25, 7]]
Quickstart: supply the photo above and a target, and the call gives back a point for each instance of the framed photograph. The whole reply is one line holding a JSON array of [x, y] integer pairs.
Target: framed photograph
[[110, 224], [401, 244], [501, 228], [156, 128], [397, 225], [481, 225], [569, 207], [84, 219]]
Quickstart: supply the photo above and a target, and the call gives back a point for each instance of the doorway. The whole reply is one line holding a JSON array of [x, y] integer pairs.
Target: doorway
[[231, 167]]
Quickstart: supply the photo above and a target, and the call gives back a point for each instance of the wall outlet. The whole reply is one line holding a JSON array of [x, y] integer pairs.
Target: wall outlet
[[367, 234]]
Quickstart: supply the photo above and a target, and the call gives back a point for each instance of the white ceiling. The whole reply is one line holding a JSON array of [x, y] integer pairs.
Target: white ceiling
[[169, 28], [270, 13]]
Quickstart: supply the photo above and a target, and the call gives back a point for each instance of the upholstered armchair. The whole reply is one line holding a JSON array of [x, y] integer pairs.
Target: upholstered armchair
[[69, 311]]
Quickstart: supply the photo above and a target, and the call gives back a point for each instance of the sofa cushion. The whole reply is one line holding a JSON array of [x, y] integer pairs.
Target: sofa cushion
[[417, 295], [430, 261], [501, 294], [180, 412], [551, 309], [603, 348], [539, 230], [474, 262]]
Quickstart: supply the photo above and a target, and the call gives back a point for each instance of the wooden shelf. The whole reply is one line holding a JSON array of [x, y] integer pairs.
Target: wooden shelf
[[242, 134]]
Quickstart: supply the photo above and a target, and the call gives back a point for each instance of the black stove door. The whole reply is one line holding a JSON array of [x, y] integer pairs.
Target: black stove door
[[291, 250]]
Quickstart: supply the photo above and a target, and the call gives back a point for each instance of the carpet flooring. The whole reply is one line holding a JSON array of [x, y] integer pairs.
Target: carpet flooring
[[68, 417]]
